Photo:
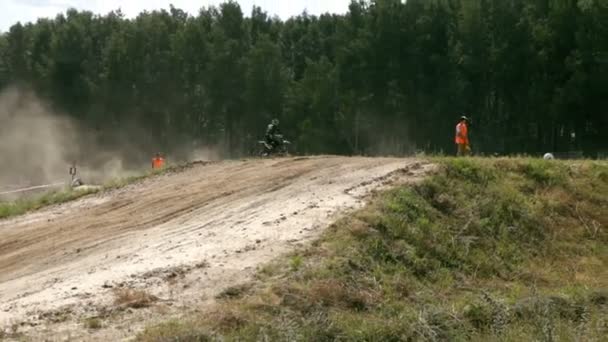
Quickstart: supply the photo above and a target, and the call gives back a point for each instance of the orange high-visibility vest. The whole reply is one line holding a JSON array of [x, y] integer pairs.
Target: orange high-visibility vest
[[158, 163], [462, 134]]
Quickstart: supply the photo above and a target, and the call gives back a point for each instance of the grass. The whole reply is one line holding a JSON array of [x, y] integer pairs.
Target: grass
[[22, 206], [93, 323], [27, 204], [483, 250], [236, 291], [296, 262], [133, 298]]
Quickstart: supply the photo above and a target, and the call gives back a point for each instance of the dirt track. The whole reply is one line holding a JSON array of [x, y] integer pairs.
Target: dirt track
[[211, 224]]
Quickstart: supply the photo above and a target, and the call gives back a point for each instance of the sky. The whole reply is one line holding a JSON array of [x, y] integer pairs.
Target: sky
[[12, 11]]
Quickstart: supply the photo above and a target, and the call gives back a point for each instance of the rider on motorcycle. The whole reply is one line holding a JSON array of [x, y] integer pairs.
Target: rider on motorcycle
[[273, 134]]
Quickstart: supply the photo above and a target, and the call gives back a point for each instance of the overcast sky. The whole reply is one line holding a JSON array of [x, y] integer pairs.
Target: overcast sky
[[12, 11]]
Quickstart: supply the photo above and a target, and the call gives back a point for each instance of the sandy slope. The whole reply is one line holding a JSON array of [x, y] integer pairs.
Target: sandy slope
[[182, 236]]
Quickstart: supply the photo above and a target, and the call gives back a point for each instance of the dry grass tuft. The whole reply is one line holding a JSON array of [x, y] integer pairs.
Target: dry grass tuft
[[233, 292], [93, 323], [133, 298]]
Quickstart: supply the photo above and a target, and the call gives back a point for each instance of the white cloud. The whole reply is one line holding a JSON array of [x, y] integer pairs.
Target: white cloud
[[12, 11]]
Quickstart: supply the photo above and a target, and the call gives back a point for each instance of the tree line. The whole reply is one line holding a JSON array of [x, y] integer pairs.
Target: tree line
[[387, 77]]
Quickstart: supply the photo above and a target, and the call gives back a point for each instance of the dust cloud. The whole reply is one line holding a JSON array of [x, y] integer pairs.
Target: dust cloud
[[38, 146], [35, 145]]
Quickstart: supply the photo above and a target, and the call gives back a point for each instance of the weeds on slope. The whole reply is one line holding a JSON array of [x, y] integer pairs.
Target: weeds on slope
[[24, 205], [497, 249], [21, 206], [27, 204]]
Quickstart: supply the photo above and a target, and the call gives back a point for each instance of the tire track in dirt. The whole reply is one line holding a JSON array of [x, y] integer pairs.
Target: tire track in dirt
[[231, 216]]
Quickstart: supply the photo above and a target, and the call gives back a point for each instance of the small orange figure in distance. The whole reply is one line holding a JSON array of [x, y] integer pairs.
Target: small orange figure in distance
[[158, 162], [462, 137]]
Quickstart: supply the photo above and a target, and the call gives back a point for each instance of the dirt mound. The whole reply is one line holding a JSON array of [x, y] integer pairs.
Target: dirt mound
[[181, 237]]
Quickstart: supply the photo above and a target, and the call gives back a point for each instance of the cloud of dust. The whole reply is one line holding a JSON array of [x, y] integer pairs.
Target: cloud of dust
[[38, 146], [204, 153], [34, 145], [385, 137]]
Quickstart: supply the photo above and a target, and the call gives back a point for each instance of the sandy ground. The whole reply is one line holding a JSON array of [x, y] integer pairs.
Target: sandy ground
[[182, 237]]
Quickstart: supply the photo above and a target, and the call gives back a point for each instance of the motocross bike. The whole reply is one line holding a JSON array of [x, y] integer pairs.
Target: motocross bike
[[280, 149]]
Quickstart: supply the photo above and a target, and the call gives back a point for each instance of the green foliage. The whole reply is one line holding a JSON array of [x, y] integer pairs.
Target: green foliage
[[388, 77], [21, 206], [545, 172], [479, 251], [176, 331], [470, 170], [296, 262]]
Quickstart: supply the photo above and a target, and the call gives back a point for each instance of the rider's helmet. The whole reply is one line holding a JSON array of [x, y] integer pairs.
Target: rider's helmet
[[275, 122], [464, 118]]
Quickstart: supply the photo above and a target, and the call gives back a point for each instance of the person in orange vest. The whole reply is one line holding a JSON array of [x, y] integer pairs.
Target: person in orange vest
[[462, 137], [158, 162]]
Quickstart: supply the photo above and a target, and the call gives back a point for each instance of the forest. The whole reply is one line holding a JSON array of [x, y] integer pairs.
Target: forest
[[389, 77]]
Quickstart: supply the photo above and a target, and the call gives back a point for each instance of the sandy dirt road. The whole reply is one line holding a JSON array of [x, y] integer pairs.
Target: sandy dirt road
[[203, 228]]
